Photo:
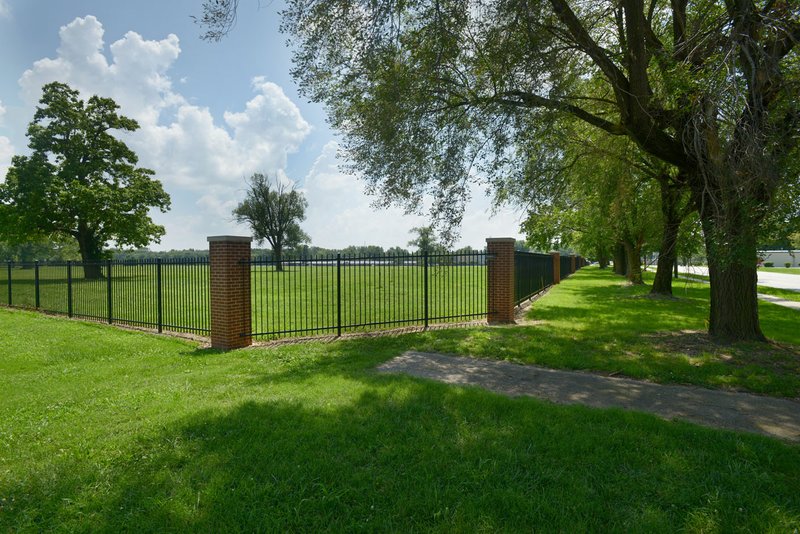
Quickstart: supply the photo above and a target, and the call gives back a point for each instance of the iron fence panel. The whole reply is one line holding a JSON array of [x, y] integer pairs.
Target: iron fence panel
[[533, 272], [164, 295]]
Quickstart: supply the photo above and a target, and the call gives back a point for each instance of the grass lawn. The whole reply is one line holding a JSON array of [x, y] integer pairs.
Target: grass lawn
[[106, 430], [786, 294], [782, 270]]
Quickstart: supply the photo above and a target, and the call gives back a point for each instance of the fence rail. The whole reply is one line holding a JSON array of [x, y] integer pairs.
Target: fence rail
[[342, 293], [170, 294]]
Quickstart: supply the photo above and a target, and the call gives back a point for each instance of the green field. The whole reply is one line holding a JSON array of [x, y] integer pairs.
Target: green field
[[301, 300], [108, 430]]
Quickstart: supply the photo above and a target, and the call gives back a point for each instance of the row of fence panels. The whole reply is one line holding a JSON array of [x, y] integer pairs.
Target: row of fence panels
[[293, 297], [160, 294], [338, 294]]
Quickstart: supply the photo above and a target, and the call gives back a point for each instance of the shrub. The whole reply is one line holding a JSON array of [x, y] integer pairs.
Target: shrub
[[769, 264], [787, 264]]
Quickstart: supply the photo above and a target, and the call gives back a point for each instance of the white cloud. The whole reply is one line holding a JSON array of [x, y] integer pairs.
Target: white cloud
[[341, 214], [5, 10], [6, 148], [6, 152], [202, 163]]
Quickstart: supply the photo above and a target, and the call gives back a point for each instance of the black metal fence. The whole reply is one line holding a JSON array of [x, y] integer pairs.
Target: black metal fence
[[566, 266], [533, 272], [336, 294], [299, 297], [169, 294]]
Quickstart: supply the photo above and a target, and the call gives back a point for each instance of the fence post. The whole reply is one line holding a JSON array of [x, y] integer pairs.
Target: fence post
[[36, 283], [426, 290], [339, 294], [159, 301], [556, 267], [108, 284], [9, 283], [500, 283], [69, 289], [231, 314]]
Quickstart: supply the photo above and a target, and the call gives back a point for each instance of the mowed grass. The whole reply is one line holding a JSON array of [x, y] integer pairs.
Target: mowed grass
[[786, 294], [300, 300], [595, 321], [103, 429], [782, 270]]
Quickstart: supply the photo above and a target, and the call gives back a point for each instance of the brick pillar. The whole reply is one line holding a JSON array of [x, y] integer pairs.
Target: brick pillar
[[500, 287], [573, 264], [230, 291], [556, 267]]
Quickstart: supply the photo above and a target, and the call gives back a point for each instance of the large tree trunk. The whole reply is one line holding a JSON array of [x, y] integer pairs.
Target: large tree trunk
[[668, 251], [602, 256], [620, 263], [278, 253], [732, 254], [633, 253], [91, 253]]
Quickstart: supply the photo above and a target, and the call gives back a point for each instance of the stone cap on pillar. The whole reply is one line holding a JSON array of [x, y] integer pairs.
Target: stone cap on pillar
[[229, 239], [500, 240]]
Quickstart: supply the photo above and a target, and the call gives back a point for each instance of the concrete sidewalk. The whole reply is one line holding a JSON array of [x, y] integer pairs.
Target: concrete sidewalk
[[774, 417]]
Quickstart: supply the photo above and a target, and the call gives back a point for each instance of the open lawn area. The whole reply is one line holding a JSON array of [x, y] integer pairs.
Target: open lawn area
[[782, 270], [106, 429]]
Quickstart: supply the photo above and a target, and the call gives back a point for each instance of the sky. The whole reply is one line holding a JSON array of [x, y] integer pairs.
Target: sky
[[210, 115]]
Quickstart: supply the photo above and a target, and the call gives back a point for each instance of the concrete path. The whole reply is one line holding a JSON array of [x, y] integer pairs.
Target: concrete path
[[774, 417], [777, 280]]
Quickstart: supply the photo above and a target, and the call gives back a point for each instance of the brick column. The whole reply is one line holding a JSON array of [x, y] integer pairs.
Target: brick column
[[230, 291], [556, 267], [573, 263], [500, 287]]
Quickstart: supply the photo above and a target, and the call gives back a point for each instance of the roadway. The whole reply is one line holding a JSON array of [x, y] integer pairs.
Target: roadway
[[777, 280]]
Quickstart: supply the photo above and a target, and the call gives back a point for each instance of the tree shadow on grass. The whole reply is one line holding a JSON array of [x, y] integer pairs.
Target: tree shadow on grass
[[420, 456]]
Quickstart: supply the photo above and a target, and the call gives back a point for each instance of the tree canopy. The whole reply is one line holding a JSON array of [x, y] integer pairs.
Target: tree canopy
[[433, 94], [80, 181], [274, 213]]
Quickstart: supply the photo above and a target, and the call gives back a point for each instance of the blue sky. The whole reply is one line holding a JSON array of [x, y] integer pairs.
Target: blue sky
[[211, 114]]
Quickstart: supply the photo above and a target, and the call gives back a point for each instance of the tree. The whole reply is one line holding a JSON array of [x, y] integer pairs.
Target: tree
[[274, 213], [80, 181], [427, 92], [606, 195], [49, 249], [425, 242]]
